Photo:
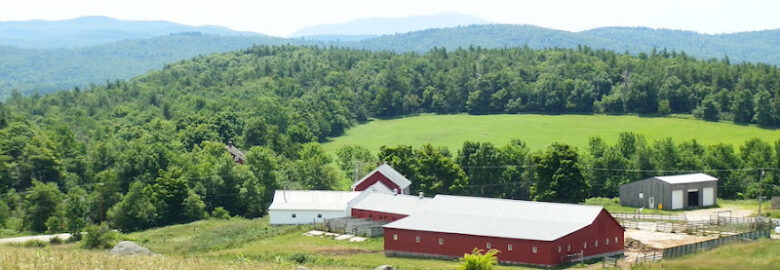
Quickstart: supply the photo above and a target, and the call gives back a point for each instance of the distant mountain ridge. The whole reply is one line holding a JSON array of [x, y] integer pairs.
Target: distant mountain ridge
[[756, 46], [36, 67], [389, 26], [92, 31]]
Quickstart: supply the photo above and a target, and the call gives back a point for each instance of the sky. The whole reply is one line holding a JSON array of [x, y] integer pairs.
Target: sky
[[282, 17]]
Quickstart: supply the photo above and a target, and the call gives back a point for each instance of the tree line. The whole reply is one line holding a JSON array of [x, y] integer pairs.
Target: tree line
[[150, 151], [562, 173]]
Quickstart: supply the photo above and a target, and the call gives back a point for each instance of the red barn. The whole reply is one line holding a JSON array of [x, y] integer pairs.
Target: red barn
[[523, 232], [387, 207], [383, 179]]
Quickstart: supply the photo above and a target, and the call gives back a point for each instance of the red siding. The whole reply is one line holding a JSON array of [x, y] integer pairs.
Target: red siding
[[455, 245], [376, 215], [376, 177], [603, 228]]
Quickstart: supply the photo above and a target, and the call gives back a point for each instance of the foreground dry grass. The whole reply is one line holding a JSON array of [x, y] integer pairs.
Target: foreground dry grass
[[70, 257]]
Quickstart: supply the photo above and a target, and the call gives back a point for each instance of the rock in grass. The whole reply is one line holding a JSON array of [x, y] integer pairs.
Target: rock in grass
[[130, 248], [384, 267], [301, 267]]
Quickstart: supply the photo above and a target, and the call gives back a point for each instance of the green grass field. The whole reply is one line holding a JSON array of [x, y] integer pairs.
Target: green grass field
[[539, 131], [762, 254]]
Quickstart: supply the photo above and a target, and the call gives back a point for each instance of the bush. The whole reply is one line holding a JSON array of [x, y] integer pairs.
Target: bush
[[301, 258], [32, 244], [99, 237], [220, 213], [54, 225], [478, 260], [56, 241]]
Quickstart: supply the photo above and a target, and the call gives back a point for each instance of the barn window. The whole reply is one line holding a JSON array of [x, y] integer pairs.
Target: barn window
[[641, 195], [568, 247], [441, 241], [293, 215], [584, 245], [616, 239], [559, 249], [319, 215], [395, 236], [509, 247], [488, 245], [596, 243], [533, 249], [607, 240], [417, 239]]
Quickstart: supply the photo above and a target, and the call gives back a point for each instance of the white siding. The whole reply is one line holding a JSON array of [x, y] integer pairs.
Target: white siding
[[677, 199], [284, 217], [709, 196]]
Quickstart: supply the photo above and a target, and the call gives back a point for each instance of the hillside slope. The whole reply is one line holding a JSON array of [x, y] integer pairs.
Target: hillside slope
[[43, 71], [538, 131]]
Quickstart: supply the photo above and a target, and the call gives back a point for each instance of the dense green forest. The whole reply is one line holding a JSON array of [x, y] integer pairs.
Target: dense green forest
[[150, 151], [43, 71]]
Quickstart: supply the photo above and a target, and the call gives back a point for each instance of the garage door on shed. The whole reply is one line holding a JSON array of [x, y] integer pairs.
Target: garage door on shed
[[709, 196], [677, 199]]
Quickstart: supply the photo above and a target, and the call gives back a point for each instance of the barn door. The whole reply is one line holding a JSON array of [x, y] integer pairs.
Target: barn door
[[677, 199], [651, 203], [709, 196]]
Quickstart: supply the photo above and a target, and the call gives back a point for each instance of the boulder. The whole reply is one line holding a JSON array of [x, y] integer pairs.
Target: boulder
[[384, 267], [130, 248]]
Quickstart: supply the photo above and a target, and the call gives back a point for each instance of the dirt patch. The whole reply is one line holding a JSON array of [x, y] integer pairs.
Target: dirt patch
[[341, 251], [704, 214], [648, 240]]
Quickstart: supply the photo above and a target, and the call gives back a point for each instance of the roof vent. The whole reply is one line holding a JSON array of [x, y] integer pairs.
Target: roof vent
[[421, 195], [395, 191]]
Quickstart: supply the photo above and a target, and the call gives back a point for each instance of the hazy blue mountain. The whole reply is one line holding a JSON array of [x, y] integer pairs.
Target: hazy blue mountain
[[758, 46], [90, 31], [43, 71], [388, 26]]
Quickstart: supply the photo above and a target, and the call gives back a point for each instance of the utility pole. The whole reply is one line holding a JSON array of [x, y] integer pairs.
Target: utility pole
[[760, 192]]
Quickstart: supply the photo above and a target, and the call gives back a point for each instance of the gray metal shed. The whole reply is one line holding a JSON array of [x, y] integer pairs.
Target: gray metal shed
[[671, 192]]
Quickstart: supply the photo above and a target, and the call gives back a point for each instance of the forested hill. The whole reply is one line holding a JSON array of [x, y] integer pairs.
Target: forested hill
[[759, 46], [43, 71], [150, 151]]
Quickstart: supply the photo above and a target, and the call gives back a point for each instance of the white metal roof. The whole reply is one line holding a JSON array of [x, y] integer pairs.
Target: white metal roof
[[390, 173], [388, 203], [379, 187], [499, 218], [687, 178], [312, 200]]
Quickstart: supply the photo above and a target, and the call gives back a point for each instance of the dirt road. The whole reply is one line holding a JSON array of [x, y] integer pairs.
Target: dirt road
[[45, 238]]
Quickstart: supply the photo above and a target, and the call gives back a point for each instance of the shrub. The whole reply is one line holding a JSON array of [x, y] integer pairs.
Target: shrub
[[54, 225], [479, 260], [301, 258], [220, 213], [56, 241], [99, 237], [32, 244]]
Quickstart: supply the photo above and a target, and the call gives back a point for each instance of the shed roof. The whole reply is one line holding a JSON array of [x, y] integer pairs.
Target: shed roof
[[390, 173], [499, 218], [312, 200], [388, 203], [237, 154], [687, 178]]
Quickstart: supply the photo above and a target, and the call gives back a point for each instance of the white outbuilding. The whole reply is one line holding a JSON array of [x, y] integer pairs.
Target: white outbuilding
[[309, 206]]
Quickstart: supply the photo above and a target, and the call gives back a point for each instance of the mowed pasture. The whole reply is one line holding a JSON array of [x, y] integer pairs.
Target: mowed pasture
[[539, 131]]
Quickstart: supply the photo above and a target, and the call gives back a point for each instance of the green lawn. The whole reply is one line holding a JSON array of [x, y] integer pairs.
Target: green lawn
[[762, 254], [539, 131]]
